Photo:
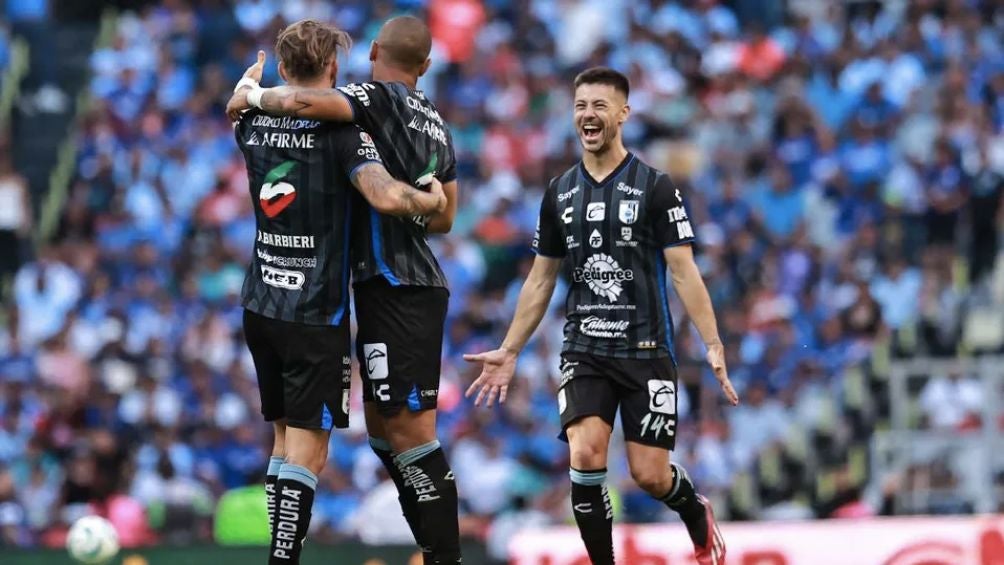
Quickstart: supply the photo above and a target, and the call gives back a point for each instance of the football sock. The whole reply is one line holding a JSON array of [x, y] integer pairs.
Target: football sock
[[428, 480], [683, 499], [408, 503], [593, 514], [294, 497], [271, 476]]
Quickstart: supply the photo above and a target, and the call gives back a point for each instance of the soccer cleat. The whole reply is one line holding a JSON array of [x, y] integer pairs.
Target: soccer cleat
[[712, 552]]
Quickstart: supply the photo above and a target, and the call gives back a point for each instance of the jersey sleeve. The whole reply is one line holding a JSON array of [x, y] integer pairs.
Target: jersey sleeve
[[355, 148], [547, 239], [449, 171], [370, 101], [671, 222]]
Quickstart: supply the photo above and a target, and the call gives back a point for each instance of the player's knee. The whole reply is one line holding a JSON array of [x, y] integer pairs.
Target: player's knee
[[406, 430], [588, 455], [307, 448], [655, 481]]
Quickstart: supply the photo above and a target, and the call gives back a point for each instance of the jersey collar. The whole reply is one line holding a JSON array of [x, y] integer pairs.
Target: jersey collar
[[613, 174]]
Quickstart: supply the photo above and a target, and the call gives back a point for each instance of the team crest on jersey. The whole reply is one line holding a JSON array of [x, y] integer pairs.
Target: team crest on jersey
[[276, 196], [628, 212], [603, 275]]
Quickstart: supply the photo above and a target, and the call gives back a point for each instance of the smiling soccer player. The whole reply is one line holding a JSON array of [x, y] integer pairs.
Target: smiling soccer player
[[619, 223]]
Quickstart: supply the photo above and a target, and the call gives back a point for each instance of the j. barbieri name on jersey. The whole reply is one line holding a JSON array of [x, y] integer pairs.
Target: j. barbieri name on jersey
[[603, 275]]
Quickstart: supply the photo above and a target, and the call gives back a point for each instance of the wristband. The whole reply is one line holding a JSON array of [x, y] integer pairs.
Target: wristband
[[246, 81], [254, 96]]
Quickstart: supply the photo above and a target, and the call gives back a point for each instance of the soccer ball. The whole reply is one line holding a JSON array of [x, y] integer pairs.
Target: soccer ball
[[92, 540]]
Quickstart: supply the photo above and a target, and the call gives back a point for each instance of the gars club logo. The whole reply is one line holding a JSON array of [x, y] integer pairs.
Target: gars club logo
[[276, 196]]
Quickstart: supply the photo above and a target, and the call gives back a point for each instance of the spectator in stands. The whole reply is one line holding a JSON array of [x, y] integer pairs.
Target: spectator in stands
[[15, 210]]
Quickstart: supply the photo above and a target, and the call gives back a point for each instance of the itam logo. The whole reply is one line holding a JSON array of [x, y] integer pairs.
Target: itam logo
[[277, 196]]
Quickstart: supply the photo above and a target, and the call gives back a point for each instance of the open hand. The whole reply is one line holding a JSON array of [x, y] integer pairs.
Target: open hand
[[497, 370], [716, 358]]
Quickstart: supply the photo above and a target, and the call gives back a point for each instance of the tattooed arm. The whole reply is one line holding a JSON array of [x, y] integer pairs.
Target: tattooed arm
[[325, 104], [389, 196], [311, 103]]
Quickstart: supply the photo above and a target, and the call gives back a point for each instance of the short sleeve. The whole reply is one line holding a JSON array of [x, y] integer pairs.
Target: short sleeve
[[355, 148], [449, 171], [370, 102], [547, 240], [671, 222]]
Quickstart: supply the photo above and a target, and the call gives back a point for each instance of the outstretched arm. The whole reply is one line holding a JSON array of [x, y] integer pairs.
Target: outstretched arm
[[390, 196], [325, 104], [690, 288], [312, 103], [500, 364]]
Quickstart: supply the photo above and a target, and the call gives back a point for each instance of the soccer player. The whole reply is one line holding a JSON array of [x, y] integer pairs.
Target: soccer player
[[295, 295], [619, 223], [400, 291]]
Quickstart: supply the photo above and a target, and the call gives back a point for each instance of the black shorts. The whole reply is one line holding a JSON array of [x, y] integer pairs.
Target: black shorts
[[304, 371], [399, 344], [644, 389]]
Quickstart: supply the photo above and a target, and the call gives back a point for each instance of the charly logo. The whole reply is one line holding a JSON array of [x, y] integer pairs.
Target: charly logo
[[662, 396], [604, 276], [376, 360], [275, 196]]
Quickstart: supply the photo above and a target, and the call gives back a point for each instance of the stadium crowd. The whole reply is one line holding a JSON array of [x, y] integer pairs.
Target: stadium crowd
[[843, 163]]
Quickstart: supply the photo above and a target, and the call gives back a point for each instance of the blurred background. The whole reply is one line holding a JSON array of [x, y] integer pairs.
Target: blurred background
[[844, 163]]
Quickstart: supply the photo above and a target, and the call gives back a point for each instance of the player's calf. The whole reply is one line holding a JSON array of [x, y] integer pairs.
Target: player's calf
[[429, 480], [593, 514], [296, 483], [271, 478], [294, 501], [383, 451]]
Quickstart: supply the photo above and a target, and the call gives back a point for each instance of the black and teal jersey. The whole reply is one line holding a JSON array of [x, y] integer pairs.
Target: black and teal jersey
[[612, 233], [299, 175], [415, 144]]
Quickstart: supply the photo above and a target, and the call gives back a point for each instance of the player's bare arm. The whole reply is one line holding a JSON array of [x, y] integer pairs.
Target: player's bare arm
[[442, 222], [390, 196], [694, 294], [312, 103], [499, 365]]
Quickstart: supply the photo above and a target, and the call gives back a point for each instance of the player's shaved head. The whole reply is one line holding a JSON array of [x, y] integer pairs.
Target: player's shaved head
[[405, 43]]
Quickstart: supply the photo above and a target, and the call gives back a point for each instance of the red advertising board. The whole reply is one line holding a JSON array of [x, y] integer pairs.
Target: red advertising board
[[876, 541]]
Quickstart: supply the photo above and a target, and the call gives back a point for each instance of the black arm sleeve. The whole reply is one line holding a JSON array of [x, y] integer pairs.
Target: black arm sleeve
[[547, 240], [670, 219]]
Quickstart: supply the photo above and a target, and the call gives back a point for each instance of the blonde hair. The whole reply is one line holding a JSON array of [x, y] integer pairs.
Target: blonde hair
[[306, 47]]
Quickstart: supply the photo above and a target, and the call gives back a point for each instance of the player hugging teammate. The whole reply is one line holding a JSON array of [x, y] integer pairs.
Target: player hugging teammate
[[400, 291]]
